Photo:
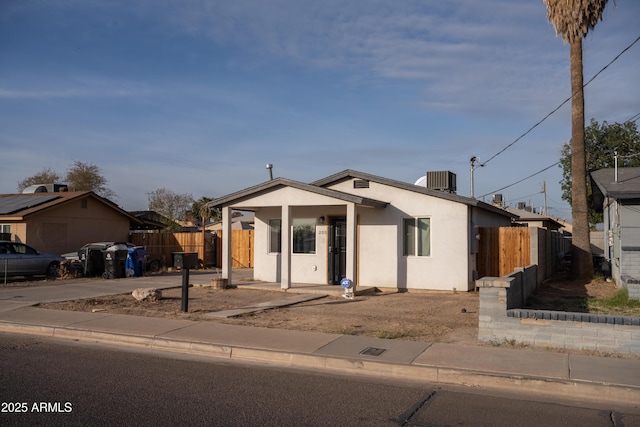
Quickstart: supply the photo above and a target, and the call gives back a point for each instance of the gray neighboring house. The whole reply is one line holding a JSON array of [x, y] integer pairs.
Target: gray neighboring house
[[619, 201]]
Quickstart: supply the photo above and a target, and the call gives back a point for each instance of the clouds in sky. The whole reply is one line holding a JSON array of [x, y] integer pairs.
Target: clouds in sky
[[196, 96]]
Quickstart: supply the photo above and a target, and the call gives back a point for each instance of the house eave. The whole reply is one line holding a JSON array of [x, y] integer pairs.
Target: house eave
[[265, 187], [350, 174]]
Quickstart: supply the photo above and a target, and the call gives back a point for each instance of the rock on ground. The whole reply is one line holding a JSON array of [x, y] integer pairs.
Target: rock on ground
[[147, 294]]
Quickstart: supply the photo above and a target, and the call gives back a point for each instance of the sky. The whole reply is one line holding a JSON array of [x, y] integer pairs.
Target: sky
[[197, 96]]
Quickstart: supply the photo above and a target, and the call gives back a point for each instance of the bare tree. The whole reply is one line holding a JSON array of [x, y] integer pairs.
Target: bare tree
[[172, 205], [87, 177], [573, 19]]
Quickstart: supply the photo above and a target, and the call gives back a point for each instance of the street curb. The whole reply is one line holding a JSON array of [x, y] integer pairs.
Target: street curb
[[416, 373]]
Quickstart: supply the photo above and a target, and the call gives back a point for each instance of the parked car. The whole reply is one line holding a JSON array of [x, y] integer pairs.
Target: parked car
[[18, 259], [153, 262]]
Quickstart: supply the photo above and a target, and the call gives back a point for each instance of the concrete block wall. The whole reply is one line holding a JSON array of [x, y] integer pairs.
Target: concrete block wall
[[630, 263], [501, 320]]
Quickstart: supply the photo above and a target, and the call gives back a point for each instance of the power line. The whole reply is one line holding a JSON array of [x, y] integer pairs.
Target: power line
[[523, 179], [562, 104], [633, 118]]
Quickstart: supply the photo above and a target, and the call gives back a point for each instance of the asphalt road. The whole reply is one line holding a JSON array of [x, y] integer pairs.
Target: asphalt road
[[57, 382]]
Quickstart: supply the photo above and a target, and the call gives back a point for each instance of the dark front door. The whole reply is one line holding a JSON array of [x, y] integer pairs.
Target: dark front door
[[337, 249]]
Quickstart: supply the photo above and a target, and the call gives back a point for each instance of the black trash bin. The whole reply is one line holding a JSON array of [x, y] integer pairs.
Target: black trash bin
[[115, 263], [92, 260]]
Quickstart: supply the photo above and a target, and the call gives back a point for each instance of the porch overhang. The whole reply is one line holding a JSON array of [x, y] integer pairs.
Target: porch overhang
[[260, 196]]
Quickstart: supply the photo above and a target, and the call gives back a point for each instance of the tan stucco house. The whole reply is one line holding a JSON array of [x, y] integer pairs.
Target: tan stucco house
[[61, 222], [372, 230]]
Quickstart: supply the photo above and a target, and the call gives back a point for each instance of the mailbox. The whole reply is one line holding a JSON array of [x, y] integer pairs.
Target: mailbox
[[185, 259]]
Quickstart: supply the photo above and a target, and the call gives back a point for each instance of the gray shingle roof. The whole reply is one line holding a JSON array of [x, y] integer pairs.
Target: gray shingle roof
[[626, 187]]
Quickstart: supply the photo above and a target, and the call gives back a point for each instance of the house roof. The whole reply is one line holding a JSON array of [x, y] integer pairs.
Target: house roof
[[283, 182], [18, 207], [524, 216], [242, 222], [150, 220], [626, 187], [319, 187], [349, 174]]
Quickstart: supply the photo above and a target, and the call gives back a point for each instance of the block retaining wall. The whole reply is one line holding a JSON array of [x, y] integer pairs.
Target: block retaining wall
[[632, 286], [502, 319]]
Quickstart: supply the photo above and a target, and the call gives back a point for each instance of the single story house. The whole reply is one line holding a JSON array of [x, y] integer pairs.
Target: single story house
[[61, 222], [532, 219], [616, 193], [372, 230]]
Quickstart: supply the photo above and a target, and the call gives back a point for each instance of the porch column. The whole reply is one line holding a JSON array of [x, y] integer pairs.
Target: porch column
[[227, 260], [285, 255], [351, 243]]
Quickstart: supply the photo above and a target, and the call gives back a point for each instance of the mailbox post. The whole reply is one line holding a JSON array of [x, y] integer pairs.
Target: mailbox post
[[185, 290], [185, 261]]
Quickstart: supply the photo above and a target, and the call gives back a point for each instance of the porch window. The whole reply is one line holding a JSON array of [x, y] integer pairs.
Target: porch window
[[417, 236], [304, 235], [275, 236]]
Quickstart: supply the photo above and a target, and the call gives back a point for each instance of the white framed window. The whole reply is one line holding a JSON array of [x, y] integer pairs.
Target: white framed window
[[304, 235], [417, 236], [275, 236]]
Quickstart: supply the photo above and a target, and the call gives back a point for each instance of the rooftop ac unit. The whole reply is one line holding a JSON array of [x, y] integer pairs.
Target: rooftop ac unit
[[497, 199], [441, 181]]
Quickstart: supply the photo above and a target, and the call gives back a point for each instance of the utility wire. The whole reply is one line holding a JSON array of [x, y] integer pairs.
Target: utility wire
[[523, 179], [562, 104], [633, 118]]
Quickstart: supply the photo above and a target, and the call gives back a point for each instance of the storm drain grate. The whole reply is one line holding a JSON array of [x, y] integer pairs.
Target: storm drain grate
[[372, 351]]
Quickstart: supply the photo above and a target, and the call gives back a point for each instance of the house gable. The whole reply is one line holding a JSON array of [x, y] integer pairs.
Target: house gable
[[353, 179], [66, 221]]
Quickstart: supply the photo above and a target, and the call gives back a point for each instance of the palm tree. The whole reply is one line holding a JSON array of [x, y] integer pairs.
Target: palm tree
[[572, 20]]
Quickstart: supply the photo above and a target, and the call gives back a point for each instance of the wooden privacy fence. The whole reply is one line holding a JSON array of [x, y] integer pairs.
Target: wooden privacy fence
[[502, 249], [207, 245]]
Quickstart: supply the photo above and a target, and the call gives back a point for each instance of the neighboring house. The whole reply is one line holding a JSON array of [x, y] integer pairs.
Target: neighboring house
[[241, 222], [371, 230], [61, 222], [150, 221], [532, 219], [619, 201]]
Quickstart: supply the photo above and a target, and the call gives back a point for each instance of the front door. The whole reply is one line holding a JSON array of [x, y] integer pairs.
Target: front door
[[337, 249]]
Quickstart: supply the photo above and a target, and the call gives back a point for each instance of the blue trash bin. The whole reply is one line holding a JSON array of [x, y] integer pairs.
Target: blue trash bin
[[136, 258]]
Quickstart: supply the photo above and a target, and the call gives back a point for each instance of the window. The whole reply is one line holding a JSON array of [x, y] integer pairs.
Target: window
[[417, 236], [304, 236], [5, 231], [275, 236]]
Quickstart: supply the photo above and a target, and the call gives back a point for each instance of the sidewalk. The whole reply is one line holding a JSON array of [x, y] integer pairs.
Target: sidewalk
[[587, 378]]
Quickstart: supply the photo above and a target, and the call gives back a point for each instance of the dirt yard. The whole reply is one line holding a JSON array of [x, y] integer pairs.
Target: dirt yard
[[450, 317], [419, 316]]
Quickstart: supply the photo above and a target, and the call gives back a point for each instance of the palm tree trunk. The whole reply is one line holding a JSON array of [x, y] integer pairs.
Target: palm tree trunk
[[582, 262]]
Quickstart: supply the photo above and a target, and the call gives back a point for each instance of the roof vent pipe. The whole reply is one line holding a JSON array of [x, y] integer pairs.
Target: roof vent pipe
[[269, 167]]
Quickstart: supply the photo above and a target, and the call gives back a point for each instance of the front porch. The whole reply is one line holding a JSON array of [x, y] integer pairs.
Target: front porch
[[242, 278]]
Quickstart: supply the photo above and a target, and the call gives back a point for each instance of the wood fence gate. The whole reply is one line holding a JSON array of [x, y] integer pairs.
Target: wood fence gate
[[207, 245], [502, 249]]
